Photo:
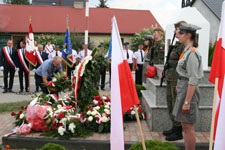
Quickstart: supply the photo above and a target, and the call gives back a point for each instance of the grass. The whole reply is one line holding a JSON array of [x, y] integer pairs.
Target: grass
[[14, 106]]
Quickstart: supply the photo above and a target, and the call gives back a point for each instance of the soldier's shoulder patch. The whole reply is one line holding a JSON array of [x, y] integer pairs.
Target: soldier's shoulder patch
[[193, 49]]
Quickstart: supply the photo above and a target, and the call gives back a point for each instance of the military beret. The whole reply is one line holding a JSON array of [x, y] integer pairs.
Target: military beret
[[158, 29], [177, 24], [100, 46], [126, 43], [185, 27], [57, 44], [149, 37]]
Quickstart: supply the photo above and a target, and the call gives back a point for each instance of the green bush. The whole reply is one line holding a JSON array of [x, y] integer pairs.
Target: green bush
[[52, 146], [211, 52], [138, 89], [154, 145]]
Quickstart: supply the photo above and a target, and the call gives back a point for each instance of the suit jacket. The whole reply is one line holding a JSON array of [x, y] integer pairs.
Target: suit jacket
[[3, 60], [18, 63], [44, 57]]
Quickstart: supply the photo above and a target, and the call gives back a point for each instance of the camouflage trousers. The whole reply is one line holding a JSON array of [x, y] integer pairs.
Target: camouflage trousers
[[171, 94]]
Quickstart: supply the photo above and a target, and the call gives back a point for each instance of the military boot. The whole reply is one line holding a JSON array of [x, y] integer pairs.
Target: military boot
[[168, 132], [176, 135]]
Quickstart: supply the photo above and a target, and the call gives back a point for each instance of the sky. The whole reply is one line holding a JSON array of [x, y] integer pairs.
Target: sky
[[163, 10]]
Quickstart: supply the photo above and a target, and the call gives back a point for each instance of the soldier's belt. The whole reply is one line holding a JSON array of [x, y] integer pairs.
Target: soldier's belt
[[183, 78]]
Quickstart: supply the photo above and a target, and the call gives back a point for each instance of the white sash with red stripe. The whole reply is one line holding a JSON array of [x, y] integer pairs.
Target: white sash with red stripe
[[46, 47], [24, 65], [39, 58], [8, 57]]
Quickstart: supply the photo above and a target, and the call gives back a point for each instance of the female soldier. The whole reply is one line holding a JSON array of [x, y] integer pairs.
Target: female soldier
[[190, 72]]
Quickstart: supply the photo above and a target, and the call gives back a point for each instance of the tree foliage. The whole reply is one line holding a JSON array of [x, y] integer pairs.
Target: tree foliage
[[18, 2], [102, 4], [139, 37]]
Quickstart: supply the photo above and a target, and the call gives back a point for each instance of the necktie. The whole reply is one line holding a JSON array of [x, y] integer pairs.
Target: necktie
[[56, 54], [10, 51], [127, 55], [141, 56]]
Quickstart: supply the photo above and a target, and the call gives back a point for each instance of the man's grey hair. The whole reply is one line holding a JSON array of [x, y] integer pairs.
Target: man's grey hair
[[40, 45]]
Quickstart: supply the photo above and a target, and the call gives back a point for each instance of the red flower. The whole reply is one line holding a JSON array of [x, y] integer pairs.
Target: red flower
[[73, 104], [20, 112], [61, 115], [13, 113], [64, 77], [26, 107], [52, 121], [53, 128], [60, 124], [22, 107], [18, 115]]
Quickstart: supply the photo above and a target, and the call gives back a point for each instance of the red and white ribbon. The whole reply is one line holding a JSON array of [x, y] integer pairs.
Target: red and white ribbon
[[39, 58], [79, 117], [9, 59], [22, 61]]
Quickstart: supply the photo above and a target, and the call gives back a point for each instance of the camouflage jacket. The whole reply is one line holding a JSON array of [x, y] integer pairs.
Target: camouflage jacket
[[158, 56], [171, 73]]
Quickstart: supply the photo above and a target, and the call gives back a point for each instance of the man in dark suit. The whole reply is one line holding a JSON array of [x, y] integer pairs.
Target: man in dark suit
[[41, 57], [7, 62], [23, 65]]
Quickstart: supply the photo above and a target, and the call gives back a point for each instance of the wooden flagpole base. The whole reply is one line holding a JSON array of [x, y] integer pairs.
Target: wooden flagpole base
[[140, 128], [213, 114], [29, 79]]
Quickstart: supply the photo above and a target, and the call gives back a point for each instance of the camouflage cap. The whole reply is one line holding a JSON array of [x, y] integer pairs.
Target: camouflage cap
[[158, 29], [149, 37], [185, 27]]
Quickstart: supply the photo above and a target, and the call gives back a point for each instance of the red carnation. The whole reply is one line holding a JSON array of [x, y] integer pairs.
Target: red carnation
[[13, 113], [60, 124], [64, 77], [61, 115], [22, 107], [20, 112], [18, 115]]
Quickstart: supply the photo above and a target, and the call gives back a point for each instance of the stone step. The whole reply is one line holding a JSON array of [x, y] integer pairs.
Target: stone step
[[153, 85], [158, 116]]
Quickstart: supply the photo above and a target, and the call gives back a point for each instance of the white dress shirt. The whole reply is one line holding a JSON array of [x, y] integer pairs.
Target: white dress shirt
[[130, 53], [81, 54], [53, 54], [74, 53], [137, 56]]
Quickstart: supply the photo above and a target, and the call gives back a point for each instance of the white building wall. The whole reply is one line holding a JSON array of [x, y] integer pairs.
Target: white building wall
[[210, 17]]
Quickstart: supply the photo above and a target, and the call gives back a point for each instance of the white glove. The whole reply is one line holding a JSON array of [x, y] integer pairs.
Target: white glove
[[1, 68], [34, 70], [17, 69]]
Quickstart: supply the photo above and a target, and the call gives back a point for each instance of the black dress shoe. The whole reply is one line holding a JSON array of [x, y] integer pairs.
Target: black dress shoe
[[21, 91], [10, 90], [168, 132], [27, 90], [5, 91]]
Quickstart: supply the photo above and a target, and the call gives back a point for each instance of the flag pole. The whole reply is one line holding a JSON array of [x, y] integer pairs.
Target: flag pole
[[213, 114], [140, 128], [67, 25], [30, 21], [86, 29]]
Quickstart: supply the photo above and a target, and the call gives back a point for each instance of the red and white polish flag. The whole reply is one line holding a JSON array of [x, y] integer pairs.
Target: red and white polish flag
[[218, 71], [123, 91], [30, 54]]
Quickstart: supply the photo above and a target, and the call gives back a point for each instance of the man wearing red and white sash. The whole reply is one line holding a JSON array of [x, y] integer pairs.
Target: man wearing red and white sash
[[41, 57], [7, 63], [22, 64], [48, 47]]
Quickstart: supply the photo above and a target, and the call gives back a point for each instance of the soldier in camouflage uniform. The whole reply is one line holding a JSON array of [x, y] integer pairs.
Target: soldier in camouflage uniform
[[148, 44], [171, 78], [158, 47]]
